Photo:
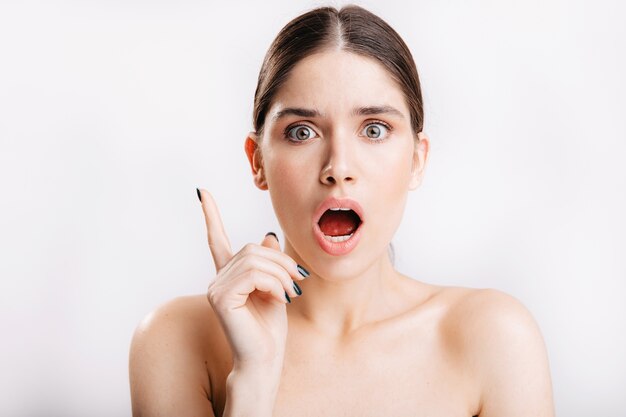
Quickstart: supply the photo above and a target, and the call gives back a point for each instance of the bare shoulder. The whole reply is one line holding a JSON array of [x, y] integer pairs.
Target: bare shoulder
[[168, 366], [482, 322], [488, 312], [500, 344], [182, 322]]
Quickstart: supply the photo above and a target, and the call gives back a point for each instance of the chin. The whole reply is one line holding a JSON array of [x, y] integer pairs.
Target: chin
[[344, 267]]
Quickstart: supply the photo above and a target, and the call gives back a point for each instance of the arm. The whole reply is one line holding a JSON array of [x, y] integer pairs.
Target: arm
[[508, 355], [168, 373], [166, 366]]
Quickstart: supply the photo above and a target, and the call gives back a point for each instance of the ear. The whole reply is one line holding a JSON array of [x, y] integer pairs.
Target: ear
[[254, 157], [420, 155]]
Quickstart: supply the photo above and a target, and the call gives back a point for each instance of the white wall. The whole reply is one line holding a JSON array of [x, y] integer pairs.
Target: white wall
[[112, 112]]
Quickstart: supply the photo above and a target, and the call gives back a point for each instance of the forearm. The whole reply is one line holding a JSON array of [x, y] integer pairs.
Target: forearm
[[251, 393]]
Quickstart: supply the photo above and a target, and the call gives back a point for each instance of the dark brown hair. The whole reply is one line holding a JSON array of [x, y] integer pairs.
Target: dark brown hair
[[351, 28]]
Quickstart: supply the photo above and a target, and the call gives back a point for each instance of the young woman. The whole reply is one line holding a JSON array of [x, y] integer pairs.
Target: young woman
[[327, 326]]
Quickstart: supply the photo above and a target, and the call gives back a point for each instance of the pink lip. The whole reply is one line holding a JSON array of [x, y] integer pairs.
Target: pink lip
[[331, 202], [337, 248]]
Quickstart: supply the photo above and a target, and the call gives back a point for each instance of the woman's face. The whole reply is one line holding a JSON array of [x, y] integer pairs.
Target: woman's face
[[368, 156]]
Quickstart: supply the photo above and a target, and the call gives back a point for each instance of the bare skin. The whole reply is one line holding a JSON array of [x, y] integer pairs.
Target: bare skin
[[362, 339], [448, 355]]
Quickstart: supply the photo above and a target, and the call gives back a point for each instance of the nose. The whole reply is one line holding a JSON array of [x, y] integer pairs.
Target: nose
[[339, 167]]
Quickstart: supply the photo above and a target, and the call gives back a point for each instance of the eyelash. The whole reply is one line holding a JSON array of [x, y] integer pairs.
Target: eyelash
[[372, 122]]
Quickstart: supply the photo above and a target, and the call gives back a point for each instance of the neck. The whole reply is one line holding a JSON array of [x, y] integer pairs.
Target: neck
[[339, 298]]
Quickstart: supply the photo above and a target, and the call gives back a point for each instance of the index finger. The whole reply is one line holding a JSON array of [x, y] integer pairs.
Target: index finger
[[218, 240]]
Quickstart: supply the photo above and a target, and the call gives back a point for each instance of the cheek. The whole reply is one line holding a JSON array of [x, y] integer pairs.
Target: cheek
[[393, 171], [392, 185], [289, 184], [284, 174]]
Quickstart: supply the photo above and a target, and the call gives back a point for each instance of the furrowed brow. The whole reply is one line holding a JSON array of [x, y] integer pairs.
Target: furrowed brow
[[371, 110], [296, 111], [359, 111]]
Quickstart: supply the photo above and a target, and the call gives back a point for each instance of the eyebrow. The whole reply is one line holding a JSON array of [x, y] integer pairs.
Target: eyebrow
[[358, 111]]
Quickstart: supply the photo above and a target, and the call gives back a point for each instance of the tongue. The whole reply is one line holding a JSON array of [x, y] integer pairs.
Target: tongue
[[338, 223]]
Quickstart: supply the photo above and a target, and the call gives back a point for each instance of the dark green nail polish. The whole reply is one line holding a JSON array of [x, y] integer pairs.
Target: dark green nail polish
[[303, 271], [287, 297], [199, 196], [297, 288]]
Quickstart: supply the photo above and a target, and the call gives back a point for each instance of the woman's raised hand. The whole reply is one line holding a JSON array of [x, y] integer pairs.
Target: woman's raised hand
[[249, 292]]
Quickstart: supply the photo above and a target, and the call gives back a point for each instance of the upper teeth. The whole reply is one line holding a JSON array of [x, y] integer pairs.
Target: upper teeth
[[339, 208]]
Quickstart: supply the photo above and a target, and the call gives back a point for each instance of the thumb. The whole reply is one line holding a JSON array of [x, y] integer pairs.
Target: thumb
[[271, 241]]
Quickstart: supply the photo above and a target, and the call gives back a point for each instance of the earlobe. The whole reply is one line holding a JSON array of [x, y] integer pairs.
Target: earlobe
[[420, 156], [260, 181]]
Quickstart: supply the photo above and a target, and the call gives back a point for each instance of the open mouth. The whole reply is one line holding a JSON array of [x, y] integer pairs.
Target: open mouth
[[339, 224]]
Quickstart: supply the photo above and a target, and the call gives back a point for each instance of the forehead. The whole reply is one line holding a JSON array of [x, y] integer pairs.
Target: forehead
[[335, 82]]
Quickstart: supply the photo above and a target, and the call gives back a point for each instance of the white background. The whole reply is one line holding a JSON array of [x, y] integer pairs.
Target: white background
[[112, 112]]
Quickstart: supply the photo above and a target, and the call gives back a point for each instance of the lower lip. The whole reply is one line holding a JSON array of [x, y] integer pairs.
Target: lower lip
[[337, 248]]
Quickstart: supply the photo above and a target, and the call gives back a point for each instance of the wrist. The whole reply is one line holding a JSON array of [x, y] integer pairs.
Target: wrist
[[252, 391]]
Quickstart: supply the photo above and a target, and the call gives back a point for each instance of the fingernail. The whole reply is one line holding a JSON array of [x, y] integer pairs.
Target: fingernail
[[297, 288], [272, 233], [303, 271], [199, 196], [287, 297]]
